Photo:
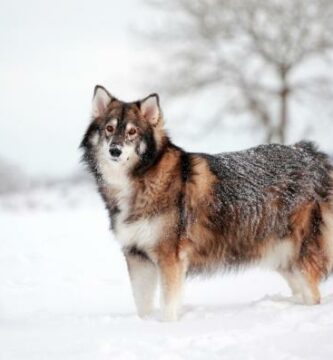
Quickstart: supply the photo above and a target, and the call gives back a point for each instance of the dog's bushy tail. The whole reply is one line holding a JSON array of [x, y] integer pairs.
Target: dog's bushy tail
[[324, 188], [327, 230]]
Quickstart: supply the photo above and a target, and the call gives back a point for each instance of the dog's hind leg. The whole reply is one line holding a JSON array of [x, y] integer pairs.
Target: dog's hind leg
[[292, 281], [303, 285], [143, 275], [309, 284], [310, 262]]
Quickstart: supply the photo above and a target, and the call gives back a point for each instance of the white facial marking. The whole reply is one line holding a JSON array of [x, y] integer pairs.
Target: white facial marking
[[95, 139], [128, 153], [129, 126], [128, 156], [142, 147], [113, 122], [113, 173]]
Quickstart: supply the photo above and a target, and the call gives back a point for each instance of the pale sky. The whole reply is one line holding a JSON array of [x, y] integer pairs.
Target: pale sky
[[52, 54]]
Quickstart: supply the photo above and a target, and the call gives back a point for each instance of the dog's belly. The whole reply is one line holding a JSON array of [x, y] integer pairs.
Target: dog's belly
[[143, 233], [277, 254]]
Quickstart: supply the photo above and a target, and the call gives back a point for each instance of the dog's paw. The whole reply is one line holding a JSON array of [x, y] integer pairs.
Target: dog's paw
[[145, 313], [169, 316]]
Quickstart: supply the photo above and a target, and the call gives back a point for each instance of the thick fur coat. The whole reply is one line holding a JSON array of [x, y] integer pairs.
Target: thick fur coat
[[177, 213]]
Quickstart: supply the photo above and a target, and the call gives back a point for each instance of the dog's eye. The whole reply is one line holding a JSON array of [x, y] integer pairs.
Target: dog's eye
[[132, 131], [109, 128]]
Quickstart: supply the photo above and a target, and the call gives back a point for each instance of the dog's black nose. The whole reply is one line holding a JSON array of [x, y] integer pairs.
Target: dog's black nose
[[115, 152]]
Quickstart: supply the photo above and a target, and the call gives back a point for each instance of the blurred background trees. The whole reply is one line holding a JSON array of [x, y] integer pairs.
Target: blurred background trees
[[255, 56], [11, 177], [231, 74]]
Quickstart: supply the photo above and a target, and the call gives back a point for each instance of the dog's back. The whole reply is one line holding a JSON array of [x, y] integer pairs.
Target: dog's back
[[257, 192], [270, 205]]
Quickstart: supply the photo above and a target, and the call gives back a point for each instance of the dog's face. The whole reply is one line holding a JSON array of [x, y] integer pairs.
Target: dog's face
[[122, 135]]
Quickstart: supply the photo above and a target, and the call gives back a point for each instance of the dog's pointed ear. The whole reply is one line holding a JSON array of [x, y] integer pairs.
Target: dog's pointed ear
[[150, 109], [101, 100]]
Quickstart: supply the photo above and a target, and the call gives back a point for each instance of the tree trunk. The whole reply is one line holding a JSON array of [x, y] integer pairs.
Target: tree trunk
[[284, 113]]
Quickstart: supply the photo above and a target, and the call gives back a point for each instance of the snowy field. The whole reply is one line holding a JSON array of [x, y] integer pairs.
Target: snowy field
[[65, 294]]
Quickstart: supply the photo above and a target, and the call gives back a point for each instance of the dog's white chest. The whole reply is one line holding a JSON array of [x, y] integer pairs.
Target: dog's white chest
[[143, 232]]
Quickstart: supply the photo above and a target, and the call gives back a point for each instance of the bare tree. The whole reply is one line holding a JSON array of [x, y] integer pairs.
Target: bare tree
[[263, 52]]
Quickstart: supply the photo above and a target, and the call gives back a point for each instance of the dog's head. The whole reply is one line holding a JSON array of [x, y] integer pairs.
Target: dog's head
[[123, 135]]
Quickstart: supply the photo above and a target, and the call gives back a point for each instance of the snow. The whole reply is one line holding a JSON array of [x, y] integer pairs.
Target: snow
[[65, 294]]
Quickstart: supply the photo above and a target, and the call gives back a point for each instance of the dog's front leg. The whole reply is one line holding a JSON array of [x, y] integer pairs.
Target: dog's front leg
[[143, 275], [172, 274]]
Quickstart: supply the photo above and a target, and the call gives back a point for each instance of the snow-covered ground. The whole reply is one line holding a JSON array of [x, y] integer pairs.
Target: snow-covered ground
[[65, 294]]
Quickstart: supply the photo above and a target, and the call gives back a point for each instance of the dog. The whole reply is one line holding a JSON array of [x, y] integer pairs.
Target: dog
[[177, 213]]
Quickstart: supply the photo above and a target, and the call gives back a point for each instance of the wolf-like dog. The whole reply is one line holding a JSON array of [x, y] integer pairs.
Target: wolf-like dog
[[177, 213]]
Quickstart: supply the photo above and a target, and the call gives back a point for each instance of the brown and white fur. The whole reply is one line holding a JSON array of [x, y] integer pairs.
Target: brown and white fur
[[177, 213]]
